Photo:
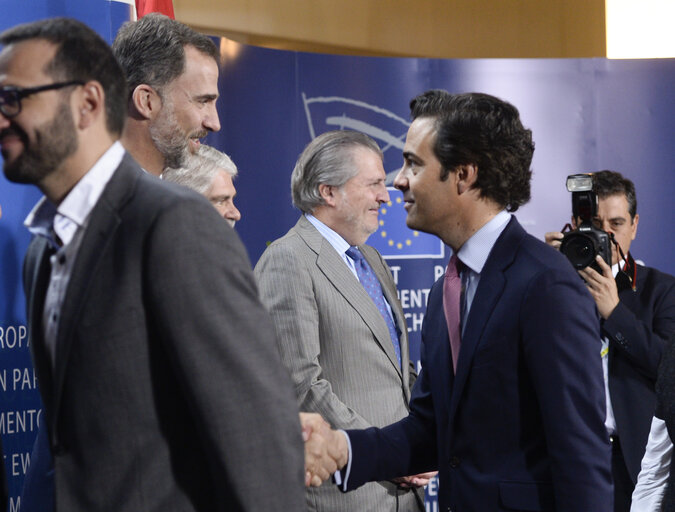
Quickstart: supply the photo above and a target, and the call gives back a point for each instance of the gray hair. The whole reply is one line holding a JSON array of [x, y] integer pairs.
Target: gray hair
[[152, 50], [200, 169], [327, 160]]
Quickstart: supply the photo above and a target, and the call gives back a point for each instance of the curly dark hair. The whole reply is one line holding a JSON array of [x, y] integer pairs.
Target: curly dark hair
[[485, 131], [610, 183]]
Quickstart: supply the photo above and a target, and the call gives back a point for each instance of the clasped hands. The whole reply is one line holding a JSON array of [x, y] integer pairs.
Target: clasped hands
[[326, 451]]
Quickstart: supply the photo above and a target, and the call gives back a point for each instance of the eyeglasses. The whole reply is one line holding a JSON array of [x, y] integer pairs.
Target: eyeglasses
[[10, 96]]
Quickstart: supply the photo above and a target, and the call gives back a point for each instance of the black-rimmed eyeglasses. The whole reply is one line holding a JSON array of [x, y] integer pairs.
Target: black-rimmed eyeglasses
[[11, 96]]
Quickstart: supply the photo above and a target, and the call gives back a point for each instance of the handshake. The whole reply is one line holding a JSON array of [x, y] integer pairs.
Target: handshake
[[326, 450]]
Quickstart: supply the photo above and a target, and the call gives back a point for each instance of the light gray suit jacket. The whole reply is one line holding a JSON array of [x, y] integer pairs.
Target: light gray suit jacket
[[167, 394], [337, 347]]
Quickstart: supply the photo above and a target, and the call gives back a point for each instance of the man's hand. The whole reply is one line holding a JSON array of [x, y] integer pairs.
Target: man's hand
[[553, 238], [602, 287], [413, 481], [326, 450]]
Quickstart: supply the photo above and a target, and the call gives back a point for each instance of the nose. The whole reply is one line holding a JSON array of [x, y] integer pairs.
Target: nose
[[401, 180], [211, 121], [233, 214], [383, 196]]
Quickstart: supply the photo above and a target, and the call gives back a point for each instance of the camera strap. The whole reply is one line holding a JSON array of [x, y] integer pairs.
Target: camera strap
[[627, 276]]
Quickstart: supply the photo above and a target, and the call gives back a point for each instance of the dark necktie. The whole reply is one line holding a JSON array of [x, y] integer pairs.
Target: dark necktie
[[372, 286], [452, 290]]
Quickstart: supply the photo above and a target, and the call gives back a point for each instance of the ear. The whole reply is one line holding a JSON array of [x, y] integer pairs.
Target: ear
[[327, 192], [146, 101], [634, 226], [90, 104], [466, 176]]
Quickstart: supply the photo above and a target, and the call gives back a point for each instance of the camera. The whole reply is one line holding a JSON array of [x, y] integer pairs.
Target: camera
[[583, 244]]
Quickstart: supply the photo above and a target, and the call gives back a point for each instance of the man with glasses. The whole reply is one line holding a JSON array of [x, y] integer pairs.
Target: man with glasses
[[637, 309], [153, 353]]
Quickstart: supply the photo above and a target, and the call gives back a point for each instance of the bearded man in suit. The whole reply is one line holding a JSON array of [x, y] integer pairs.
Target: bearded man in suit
[[146, 329], [347, 352]]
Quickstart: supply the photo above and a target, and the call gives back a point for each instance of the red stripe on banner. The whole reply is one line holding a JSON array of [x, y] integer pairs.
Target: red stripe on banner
[[144, 7]]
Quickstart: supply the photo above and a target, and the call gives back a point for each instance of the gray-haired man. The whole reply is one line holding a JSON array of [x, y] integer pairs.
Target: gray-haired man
[[209, 172], [341, 329]]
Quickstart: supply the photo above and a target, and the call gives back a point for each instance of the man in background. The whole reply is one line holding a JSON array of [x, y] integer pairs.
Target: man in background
[[172, 79], [340, 326], [637, 309], [509, 404], [152, 350], [211, 173]]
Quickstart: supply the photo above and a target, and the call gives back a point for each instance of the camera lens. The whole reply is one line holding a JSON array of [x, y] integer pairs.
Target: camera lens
[[580, 249]]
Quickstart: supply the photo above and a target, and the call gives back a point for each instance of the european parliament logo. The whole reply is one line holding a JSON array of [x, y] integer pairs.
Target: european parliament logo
[[395, 240]]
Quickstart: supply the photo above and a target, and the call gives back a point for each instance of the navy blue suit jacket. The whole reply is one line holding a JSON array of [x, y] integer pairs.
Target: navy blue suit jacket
[[521, 425]]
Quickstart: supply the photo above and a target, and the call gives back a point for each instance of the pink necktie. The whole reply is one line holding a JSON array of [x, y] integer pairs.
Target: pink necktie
[[452, 289]]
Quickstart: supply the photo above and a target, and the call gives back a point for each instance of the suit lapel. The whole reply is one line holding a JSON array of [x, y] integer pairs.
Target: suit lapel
[[490, 288], [437, 340], [103, 222], [336, 271]]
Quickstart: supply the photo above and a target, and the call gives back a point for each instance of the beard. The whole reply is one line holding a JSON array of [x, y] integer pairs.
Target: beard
[[169, 139], [54, 141]]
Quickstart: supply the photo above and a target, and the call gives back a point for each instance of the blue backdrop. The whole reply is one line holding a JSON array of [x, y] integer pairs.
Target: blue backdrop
[[585, 115]]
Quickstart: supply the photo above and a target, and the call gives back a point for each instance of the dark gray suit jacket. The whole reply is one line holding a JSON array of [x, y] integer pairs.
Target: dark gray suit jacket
[[167, 393]]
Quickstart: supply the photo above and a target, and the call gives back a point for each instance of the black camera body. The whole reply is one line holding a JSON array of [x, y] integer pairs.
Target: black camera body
[[583, 244]]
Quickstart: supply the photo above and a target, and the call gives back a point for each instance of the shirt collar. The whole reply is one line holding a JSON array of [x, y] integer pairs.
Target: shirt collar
[[63, 220], [617, 266], [339, 244], [475, 251]]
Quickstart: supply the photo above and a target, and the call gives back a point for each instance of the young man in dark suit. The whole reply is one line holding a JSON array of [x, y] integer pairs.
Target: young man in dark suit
[[509, 405], [153, 353]]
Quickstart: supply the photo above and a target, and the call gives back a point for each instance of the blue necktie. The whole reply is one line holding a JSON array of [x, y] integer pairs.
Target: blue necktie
[[372, 286]]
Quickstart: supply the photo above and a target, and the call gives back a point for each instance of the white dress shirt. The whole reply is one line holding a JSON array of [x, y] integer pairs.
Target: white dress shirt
[[63, 226]]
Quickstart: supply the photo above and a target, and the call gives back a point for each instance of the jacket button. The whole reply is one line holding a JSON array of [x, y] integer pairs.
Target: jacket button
[[454, 462]]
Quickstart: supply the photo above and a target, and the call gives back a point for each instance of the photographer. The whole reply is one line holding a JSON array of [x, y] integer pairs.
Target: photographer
[[637, 309]]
